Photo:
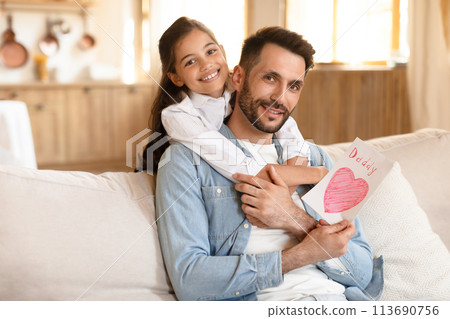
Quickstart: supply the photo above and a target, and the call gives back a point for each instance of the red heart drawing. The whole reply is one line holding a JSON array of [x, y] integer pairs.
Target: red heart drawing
[[344, 191]]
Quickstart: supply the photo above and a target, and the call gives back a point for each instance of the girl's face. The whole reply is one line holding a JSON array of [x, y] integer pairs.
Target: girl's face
[[200, 64]]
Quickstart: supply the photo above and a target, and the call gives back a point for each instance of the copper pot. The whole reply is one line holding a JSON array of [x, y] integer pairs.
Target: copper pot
[[87, 41], [12, 53]]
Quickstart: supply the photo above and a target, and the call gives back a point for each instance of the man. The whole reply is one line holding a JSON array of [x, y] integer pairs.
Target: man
[[211, 249]]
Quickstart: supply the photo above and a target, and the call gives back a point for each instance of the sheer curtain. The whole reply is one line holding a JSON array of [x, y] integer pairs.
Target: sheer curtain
[[226, 19], [429, 63]]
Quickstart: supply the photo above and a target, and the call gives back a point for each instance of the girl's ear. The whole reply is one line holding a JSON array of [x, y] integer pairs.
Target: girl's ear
[[175, 79], [238, 78]]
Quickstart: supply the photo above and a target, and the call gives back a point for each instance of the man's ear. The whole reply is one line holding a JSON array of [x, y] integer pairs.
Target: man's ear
[[238, 78], [175, 79]]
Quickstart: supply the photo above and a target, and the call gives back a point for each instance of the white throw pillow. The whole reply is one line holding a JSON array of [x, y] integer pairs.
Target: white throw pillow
[[79, 236], [417, 263]]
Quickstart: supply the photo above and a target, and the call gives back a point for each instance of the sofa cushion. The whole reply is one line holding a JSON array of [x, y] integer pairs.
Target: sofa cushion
[[417, 263], [79, 236], [423, 156]]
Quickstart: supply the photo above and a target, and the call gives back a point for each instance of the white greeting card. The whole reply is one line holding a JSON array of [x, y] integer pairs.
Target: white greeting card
[[345, 189]]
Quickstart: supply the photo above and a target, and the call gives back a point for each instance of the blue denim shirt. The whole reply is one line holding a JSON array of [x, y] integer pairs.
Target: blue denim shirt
[[203, 234]]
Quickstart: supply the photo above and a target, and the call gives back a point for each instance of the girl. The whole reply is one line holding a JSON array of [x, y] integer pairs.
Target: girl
[[193, 101]]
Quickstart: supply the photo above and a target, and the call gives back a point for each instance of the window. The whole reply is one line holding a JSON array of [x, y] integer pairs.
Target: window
[[352, 31]]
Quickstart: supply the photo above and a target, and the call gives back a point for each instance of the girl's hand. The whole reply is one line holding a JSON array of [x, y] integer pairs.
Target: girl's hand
[[322, 172]]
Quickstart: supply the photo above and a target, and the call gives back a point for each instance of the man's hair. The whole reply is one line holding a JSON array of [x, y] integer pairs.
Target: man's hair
[[294, 42]]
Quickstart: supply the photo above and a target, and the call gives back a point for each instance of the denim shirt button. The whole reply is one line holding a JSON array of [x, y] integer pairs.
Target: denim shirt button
[[245, 226], [237, 293], [342, 273], [219, 191]]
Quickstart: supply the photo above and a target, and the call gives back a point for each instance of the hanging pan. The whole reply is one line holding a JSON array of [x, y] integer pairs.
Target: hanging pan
[[12, 53], [87, 41], [49, 44]]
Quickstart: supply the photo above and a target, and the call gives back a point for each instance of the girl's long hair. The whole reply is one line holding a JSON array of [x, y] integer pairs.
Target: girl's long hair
[[168, 93]]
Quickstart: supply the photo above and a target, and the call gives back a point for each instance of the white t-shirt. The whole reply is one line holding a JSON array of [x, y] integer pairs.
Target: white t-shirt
[[300, 282], [195, 122]]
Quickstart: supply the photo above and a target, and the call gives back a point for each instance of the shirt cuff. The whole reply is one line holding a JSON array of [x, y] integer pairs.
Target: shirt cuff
[[269, 270]]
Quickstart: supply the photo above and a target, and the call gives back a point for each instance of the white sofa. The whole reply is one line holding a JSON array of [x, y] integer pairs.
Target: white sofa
[[80, 236]]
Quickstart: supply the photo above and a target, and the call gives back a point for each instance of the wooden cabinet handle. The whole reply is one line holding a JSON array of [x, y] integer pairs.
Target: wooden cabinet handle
[[41, 107], [14, 95], [132, 89], [87, 90]]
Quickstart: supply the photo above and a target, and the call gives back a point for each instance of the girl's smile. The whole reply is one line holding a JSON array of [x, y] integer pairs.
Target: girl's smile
[[213, 76]]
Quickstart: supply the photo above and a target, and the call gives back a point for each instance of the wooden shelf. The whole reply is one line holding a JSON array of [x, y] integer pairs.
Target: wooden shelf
[[50, 2], [45, 5]]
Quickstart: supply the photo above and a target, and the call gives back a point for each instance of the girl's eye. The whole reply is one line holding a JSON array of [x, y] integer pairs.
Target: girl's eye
[[190, 62], [211, 51]]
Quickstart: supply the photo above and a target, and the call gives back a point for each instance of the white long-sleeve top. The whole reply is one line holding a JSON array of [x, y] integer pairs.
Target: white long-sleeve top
[[195, 122]]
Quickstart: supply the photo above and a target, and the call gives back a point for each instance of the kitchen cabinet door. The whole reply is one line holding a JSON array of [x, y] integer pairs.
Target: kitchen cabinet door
[[89, 125], [46, 108], [8, 94], [131, 109]]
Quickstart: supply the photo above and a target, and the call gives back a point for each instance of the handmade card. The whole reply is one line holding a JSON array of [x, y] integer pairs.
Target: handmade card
[[345, 189]]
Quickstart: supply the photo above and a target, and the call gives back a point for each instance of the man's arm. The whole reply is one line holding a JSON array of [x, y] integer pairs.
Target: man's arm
[[272, 204], [358, 262], [183, 229], [321, 244], [262, 201]]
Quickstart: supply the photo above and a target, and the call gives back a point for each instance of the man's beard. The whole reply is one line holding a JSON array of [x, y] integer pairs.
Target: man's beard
[[250, 109]]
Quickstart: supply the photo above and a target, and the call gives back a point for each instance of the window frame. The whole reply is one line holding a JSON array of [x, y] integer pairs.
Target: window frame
[[395, 35]]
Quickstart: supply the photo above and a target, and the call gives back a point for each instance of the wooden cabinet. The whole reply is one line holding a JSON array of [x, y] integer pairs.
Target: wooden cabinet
[[83, 126], [89, 133], [8, 93], [47, 111], [130, 115], [338, 105], [46, 108]]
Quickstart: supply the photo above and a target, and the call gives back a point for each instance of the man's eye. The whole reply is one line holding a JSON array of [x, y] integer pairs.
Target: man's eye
[[211, 51], [190, 62], [294, 87], [270, 78]]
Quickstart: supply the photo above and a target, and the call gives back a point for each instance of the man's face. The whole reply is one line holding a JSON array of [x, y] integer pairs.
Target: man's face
[[272, 89]]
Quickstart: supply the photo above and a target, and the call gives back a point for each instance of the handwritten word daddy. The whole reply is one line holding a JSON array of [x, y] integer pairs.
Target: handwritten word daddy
[[366, 163]]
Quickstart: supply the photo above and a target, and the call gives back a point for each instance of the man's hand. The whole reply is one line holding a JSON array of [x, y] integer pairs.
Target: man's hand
[[323, 243], [269, 204]]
